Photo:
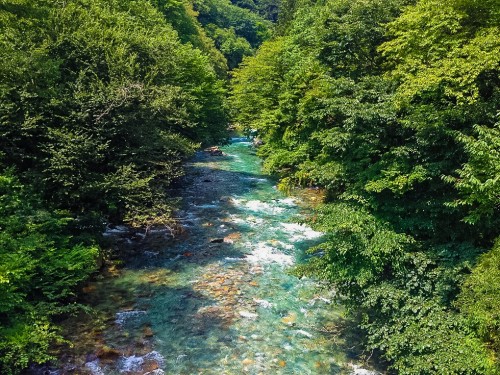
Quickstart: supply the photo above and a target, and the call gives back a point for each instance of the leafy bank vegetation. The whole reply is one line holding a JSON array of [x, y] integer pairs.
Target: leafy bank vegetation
[[100, 103], [393, 107]]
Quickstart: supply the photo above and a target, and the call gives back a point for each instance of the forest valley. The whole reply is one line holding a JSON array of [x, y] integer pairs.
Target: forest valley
[[391, 106]]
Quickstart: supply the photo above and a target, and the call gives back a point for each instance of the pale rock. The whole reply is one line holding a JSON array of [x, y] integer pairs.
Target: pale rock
[[248, 315]]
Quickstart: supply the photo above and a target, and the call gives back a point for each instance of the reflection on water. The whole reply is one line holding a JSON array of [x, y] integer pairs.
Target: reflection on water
[[217, 299]]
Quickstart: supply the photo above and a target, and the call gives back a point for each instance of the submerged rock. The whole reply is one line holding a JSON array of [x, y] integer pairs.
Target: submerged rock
[[263, 303], [248, 315], [289, 319], [147, 332], [107, 353], [303, 333], [247, 361], [122, 317]]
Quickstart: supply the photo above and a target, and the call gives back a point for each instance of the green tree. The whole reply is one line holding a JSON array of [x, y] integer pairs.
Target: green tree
[[40, 266], [101, 118], [225, 15], [392, 107], [100, 104], [233, 47]]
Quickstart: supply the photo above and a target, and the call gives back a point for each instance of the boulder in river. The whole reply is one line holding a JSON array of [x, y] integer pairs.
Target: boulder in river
[[214, 151]]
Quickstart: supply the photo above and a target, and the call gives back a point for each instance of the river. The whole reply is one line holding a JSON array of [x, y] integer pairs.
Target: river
[[218, 298]]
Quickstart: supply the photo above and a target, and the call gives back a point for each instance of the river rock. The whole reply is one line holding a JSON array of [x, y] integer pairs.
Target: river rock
[[232, 237], [358, 370], [107, 353], [149, 362], [256, 142], [217, 240], [148, 332], [94, 368], [246, 362], [289, 319], [263, 303], [248, 315], [214, 151], [155, 372], [303, 333]]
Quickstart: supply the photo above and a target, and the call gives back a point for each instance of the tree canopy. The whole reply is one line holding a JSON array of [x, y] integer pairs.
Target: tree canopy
[[392, 108], [100, 104]]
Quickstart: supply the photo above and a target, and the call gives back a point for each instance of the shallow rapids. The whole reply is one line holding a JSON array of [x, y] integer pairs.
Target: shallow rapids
[[218, 298]]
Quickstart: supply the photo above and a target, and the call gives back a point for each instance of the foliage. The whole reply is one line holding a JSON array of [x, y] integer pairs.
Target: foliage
[[39, 267], [100, 104], [226, 15], [268, 9], [479, 179], [479, 299], [183, 18], [102, 118], [236, 29], [420, 336], [392, 106], [231, 45]]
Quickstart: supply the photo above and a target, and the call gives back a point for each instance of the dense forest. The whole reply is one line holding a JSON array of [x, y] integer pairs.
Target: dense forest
[[100, 103], [392, 107]]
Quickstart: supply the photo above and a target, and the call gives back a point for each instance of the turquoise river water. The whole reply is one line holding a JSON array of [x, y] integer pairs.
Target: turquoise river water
[[218, 298]]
